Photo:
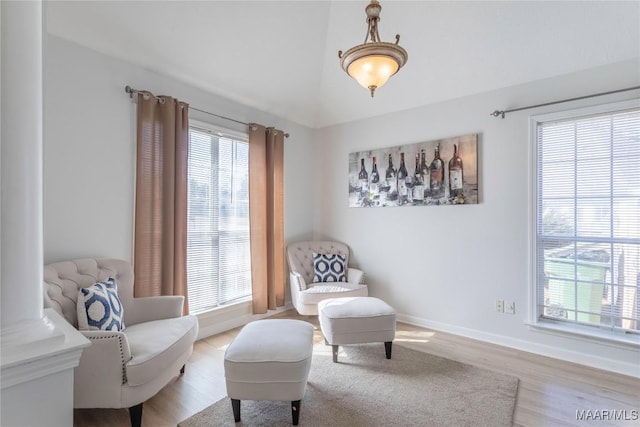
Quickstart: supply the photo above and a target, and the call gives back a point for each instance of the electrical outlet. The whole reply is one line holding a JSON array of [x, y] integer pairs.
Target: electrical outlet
[[500, 306], [510, 307]]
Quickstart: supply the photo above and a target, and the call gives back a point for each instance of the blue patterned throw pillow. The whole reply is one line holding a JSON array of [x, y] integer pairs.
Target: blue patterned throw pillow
[[329, 268], [99, 307]]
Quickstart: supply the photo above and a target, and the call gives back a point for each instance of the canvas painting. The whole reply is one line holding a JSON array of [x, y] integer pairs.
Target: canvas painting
[[441, 172]]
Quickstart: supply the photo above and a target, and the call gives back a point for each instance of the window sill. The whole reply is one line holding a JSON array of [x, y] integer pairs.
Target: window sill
[[235, 305], [230, 316], [619, 340]]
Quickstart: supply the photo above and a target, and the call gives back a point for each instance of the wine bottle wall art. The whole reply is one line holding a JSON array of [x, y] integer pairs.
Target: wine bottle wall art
[[441, 172]]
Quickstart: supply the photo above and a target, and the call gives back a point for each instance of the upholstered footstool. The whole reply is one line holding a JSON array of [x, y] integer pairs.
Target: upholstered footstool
[[269, 360], [357, 320]]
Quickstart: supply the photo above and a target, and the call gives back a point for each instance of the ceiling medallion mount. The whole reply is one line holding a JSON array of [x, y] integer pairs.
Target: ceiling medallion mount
[[373, 62]]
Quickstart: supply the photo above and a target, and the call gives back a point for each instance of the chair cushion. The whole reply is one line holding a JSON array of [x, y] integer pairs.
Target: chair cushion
[[272, 340], [319, 292], [156, 345], [329, 268], [361, 307], [99, 307]]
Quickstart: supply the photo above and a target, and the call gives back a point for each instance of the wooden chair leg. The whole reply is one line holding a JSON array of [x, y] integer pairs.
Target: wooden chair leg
[[295, 411], [387, 348], [235, 404], [334, 349], [135, 415], [182, 369]]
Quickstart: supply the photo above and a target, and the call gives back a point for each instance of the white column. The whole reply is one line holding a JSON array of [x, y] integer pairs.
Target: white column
[[21, 162], [39, 349]]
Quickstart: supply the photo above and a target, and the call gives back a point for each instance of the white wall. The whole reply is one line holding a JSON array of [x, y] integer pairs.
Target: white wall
[[444, 266], [89, 147]]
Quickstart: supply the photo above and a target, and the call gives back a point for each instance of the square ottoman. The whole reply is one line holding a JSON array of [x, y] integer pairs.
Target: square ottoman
[[269, 360], [357, 320]]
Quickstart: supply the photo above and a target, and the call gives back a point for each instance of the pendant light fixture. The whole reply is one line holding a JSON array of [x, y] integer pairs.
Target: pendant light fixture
[[373, 62]]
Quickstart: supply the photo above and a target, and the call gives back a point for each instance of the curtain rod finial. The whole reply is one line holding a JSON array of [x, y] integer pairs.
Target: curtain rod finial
[[497, 113]]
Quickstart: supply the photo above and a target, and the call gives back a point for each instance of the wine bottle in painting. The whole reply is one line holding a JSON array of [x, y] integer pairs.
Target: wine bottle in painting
[[437, 175], [455, 174], [409, 184], [418, 183], [390, 182], [374, 179], [363, 179], [424, 171], [402, 182]]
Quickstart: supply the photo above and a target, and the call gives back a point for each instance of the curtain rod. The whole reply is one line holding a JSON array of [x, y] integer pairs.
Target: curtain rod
[[131, 91], [497, 113]]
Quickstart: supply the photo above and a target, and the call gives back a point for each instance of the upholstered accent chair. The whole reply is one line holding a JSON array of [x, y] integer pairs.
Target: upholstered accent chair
[[122, 369], [305, 293]]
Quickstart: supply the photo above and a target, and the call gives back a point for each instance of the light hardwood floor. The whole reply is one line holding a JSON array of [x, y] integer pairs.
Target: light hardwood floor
[[550, 391]]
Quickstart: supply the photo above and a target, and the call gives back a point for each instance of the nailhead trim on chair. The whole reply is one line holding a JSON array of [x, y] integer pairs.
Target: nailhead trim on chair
[[124, 368]]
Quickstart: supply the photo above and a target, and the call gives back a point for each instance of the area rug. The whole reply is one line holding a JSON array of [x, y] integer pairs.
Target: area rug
[[366, 389]]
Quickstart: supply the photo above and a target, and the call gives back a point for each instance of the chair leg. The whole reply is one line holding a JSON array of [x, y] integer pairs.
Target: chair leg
[[387, 348], [335, 353], [135, 415], [235, 404], [182, 369], [295, 411]]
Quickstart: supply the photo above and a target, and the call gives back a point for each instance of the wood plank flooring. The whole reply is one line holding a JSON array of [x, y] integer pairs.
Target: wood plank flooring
[[550, 391]]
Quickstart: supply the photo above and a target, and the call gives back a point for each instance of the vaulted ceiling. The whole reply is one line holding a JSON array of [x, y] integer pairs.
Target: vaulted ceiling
[[281, 56]]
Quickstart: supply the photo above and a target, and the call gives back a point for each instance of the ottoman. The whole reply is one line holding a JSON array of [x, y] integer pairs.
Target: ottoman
[[357, 320], [269, 360]]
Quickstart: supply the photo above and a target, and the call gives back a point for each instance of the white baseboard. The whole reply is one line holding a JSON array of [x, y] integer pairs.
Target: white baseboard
[[611, 365], [227, 318]]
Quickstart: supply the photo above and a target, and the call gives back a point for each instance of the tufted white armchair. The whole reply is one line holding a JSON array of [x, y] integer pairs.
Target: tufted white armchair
[[122, 369], [305, 295]]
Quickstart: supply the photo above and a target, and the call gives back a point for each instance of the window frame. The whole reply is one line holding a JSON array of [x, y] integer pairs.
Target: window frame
[[616, 338], [236, 135]]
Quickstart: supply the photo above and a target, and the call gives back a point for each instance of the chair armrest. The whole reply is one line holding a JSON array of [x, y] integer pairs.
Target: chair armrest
[[146, 309], [355, 276], [298, 281], [99, 376], [297, 285]]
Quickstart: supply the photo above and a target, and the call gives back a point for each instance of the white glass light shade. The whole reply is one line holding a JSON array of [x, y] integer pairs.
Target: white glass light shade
[[373, 71], [371, 64]]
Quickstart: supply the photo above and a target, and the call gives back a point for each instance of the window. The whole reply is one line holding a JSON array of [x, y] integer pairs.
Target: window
[[218, 251], [587, 220]]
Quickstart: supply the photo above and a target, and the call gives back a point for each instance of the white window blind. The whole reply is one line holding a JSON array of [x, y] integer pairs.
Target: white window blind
[[588, 219], [218, 251]]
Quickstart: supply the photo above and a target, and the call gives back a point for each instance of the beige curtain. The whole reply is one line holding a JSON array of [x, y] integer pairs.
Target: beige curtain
[[160, 253], [266, 213]]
